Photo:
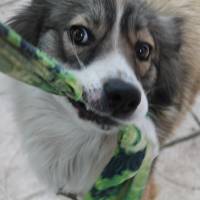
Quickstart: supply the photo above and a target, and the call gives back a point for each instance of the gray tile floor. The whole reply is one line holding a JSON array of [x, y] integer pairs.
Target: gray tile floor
[[178, 167]]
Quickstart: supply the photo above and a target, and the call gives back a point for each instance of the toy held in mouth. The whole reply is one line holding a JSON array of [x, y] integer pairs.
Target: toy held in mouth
[[125, 176]]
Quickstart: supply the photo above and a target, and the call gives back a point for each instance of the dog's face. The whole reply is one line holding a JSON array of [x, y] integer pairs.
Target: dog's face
[[124, 53]]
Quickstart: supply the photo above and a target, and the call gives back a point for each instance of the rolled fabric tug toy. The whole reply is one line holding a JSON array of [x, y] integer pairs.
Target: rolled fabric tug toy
[[126, 175]]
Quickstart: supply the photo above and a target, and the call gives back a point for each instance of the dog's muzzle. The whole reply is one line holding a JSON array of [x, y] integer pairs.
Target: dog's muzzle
[[118, 100]]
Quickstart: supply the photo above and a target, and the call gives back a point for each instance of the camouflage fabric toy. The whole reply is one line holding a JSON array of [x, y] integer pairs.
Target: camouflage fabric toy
[[23, 62], [125, 176]]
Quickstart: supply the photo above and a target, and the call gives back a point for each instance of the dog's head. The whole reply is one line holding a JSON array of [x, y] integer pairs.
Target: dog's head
[[125, 54]]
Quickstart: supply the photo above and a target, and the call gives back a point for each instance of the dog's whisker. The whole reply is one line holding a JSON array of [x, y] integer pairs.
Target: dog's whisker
[[77, 57]]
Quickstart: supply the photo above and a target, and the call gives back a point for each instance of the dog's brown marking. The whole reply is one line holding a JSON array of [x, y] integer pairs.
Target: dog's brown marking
[[169, 119], [151, 190]]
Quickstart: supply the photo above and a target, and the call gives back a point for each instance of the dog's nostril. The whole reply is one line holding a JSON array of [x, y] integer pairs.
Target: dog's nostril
[[116, 97], [122, 98]]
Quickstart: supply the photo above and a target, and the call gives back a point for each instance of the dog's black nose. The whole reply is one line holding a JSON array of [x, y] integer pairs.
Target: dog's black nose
[[122, 98]]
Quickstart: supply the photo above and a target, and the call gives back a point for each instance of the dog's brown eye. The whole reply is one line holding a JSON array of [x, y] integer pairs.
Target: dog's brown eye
[[80, 35], [143, 51]]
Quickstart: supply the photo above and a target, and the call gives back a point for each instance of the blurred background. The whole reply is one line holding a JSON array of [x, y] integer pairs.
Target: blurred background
[[177, 170]]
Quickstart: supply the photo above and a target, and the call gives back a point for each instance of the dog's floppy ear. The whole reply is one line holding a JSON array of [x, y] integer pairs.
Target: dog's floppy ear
[[29, 22], [167, 33]]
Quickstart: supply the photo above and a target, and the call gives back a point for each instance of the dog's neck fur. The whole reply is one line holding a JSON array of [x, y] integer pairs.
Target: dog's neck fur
[[66, 157]]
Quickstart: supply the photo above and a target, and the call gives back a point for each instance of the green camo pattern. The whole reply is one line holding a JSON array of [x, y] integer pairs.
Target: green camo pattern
[[23, 62], [126, 175]]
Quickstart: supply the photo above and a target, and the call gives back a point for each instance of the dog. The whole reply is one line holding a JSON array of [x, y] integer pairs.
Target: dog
[[132, 57]]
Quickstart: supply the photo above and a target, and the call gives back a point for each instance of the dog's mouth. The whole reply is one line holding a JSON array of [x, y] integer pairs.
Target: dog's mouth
[[104, 122]]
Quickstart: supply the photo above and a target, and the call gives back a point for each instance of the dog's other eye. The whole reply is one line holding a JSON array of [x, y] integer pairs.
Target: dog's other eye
[[143, 51], [80, 35]]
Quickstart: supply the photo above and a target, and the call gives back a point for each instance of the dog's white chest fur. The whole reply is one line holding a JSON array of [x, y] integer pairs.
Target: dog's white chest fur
[[65, 156]]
